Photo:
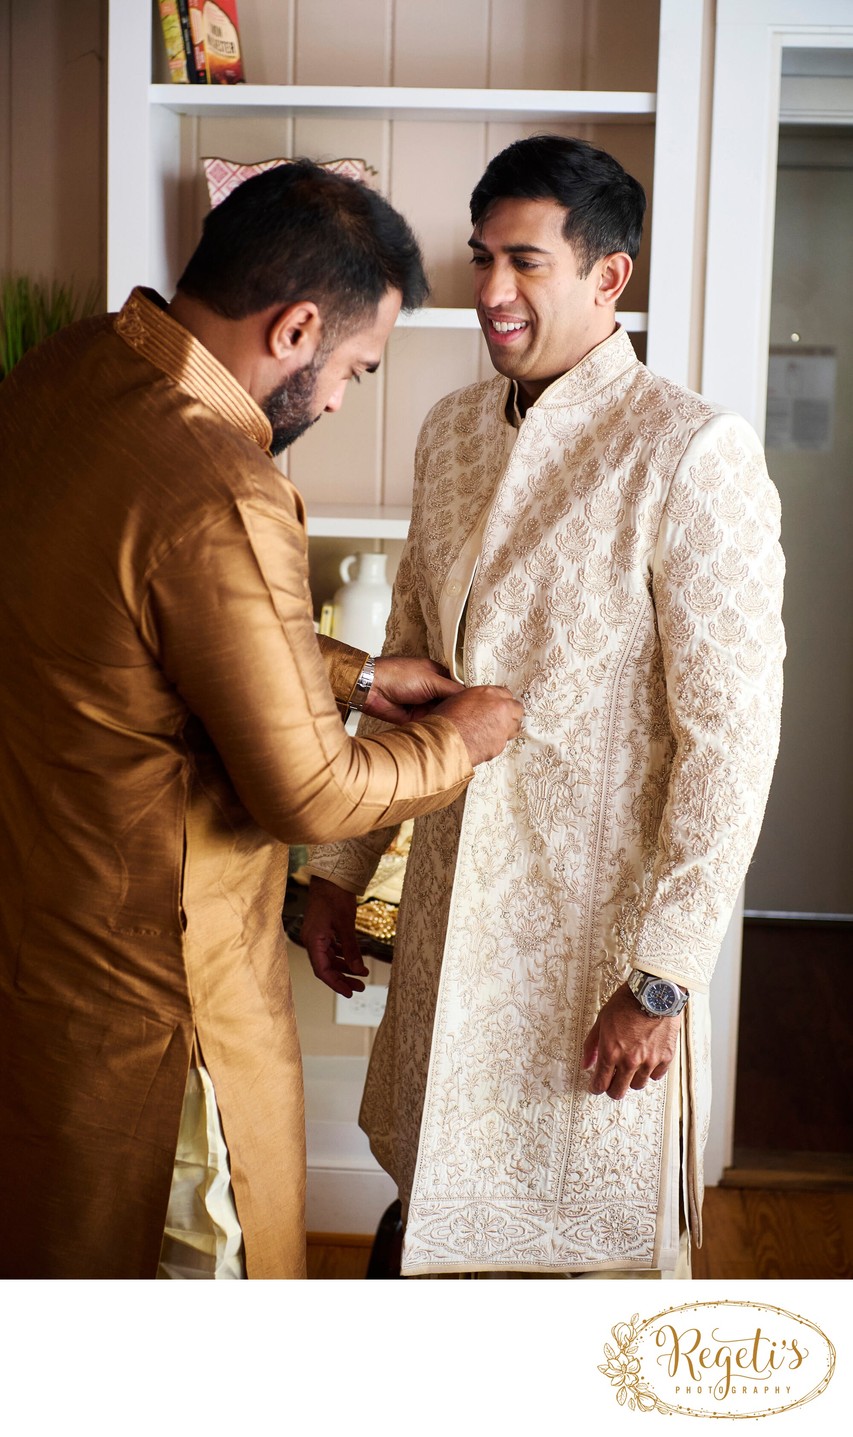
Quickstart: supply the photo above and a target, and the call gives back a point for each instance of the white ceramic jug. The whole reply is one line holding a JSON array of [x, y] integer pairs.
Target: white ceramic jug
[[363, 603]]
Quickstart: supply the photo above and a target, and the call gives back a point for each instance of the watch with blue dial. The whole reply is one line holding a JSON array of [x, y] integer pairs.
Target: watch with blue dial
[[659, 997]]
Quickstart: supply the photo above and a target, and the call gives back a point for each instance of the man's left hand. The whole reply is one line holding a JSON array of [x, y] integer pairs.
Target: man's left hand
[[626, 1048], [408, 689]]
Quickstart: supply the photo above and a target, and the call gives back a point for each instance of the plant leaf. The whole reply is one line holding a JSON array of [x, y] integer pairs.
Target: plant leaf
[[31, 312]]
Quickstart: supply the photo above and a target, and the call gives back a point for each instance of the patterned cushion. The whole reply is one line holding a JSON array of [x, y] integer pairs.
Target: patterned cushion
[[223, 176]]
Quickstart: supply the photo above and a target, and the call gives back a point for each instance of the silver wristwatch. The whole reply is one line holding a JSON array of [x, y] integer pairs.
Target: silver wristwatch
[[363, 685], [659, 997]]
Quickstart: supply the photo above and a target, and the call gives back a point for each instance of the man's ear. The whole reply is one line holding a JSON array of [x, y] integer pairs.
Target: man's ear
[[614, 271], [295, 332]]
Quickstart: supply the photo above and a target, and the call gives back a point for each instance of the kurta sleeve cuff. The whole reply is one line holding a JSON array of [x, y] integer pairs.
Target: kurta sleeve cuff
[[660, 970], [343, 666], [352, 863], [349, 886]]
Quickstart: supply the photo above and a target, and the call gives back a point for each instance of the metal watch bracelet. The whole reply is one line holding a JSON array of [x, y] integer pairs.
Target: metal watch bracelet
[[363, 685], [658, 997]]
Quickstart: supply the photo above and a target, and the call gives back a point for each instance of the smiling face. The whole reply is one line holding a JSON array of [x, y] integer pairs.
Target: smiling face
[[538, 314]]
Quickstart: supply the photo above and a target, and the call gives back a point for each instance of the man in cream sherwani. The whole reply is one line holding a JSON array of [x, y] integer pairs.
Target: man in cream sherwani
[[605, 544]]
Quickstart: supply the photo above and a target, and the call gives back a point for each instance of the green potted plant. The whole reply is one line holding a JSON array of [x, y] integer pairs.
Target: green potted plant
[[30, 311]]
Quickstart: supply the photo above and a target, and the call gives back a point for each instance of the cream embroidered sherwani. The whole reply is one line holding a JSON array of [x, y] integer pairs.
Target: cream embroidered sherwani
[[167, 727], [628, 588]]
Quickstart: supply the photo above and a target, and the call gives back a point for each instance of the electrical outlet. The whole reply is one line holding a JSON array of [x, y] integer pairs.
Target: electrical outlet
[[363, 1010]]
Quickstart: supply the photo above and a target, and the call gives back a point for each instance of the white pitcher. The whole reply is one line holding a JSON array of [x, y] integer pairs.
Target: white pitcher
[[363, 603]]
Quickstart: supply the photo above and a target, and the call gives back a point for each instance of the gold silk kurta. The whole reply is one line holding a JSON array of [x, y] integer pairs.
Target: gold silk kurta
[[628, 589], [168, 727]]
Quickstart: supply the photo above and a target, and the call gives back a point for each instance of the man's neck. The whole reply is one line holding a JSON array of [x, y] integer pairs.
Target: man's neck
[[529, 391], [228, 340], [202, 323]]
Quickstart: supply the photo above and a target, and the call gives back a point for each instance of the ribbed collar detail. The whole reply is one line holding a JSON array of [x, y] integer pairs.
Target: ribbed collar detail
[[146, 325]]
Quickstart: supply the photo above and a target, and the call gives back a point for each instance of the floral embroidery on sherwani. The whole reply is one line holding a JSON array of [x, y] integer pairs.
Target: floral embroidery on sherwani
[[629, 590]]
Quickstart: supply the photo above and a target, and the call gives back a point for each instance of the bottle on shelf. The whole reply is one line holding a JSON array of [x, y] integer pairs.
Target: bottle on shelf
[[362, 603]]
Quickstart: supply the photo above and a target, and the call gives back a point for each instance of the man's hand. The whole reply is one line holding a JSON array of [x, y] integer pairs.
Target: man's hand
[[625, 1047], [407, 689], [328, 932], [487, 717]]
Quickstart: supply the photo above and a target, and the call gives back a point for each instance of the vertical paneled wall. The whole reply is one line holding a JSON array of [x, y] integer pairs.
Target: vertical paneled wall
[[52, 89], [525, 44]]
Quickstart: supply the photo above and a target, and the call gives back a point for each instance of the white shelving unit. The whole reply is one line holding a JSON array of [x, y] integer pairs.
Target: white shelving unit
[[152, 211], [386, 102], [147, 182], [359, 521]]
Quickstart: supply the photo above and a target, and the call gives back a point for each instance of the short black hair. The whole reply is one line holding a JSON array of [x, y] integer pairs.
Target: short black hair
[[604, 204], [301, 232]]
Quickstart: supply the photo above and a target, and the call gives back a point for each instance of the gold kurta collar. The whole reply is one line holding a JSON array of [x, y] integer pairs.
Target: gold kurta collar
[[146, 325]]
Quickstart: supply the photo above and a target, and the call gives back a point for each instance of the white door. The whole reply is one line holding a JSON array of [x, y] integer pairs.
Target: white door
[[788, 61]]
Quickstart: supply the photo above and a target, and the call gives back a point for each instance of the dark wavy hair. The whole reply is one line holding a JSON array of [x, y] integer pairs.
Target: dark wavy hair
[[604, 204], [299, 232]]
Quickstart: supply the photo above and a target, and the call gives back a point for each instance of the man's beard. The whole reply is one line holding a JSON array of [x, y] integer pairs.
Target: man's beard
[[290, 408]]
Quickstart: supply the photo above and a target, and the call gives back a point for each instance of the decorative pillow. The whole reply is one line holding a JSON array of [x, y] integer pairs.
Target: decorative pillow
[[223, 176]]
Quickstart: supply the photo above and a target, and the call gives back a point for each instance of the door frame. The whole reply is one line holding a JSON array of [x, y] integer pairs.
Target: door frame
[[749, 100]]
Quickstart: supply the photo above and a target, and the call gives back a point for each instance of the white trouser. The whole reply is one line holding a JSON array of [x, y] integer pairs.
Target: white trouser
[[202, 1237]]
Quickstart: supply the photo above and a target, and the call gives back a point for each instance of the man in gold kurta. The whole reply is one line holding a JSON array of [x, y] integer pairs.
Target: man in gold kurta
[[606, 544], [169, 725]]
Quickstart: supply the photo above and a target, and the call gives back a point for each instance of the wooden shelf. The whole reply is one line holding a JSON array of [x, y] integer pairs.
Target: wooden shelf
[[386, 102]]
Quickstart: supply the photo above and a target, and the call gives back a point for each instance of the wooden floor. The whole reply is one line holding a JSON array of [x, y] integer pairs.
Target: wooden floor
[[773, 1233], [749, 1232], [333, 1256]]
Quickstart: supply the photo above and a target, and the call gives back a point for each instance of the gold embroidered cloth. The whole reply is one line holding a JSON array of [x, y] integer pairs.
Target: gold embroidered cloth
[[629, 589]]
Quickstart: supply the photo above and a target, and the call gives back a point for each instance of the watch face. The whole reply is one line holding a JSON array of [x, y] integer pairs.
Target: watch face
[[661, 997]]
